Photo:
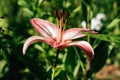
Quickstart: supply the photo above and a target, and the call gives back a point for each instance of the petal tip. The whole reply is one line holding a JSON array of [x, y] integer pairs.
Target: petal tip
[[91, 57], [24, 50]]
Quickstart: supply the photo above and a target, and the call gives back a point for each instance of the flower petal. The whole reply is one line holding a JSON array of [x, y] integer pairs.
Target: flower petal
[[33, 39], [85, 46], [45, 28], [74, 33]]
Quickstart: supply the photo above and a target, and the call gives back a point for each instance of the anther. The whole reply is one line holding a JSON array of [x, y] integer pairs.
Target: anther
[[62, 14], [56, 13], [67, 15]]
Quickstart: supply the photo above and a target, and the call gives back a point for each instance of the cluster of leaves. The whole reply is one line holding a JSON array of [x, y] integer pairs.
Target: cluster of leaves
[[15, 28]]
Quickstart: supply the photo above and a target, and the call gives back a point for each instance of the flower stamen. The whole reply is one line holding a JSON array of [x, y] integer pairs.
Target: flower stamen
[[56, 15], [61, 26], [61, 23], [66, 15]]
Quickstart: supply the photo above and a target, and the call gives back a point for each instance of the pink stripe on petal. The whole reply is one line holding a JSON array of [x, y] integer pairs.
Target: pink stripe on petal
[[45, 28], [33, 39], [85, 46], [74, 33], [41, 30]]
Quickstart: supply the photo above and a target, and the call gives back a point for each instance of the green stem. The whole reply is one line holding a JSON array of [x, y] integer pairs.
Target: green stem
[[115, 8], [53, 72], [88, 20], [88, 17], [56, 60], [54, 67]]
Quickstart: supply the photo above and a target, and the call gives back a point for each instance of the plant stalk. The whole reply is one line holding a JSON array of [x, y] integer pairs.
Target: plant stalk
[[55, 65], [88, 20], [56, 60]]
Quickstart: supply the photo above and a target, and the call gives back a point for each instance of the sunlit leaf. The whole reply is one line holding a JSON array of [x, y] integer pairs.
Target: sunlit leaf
[[113, 23], [57, 71], [77, 69], [106, 37]]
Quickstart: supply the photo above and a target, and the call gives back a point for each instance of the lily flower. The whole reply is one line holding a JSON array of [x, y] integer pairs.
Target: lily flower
[[58, 37]]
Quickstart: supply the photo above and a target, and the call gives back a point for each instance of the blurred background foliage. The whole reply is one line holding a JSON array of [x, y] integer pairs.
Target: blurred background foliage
[[15, 28]]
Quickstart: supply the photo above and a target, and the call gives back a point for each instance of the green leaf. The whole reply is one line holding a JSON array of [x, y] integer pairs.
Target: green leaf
[[76, 70], [57, 71], [70, 60], [113, 23], [102, 53], [106, 37]]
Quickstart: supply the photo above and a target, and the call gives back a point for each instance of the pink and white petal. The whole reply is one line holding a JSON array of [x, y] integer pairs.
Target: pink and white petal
[[85, 46], [60, 45], [45, 28], [33, 39], [74, 33]]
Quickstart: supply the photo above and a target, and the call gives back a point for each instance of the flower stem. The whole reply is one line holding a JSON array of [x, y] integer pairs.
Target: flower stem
[[88, 20], [56, 60], [54, 67], [88, 16], [53, 72], [115, 8]]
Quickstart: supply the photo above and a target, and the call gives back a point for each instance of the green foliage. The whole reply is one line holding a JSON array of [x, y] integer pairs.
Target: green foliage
[[101, 56], [106, 37], [38, 62]]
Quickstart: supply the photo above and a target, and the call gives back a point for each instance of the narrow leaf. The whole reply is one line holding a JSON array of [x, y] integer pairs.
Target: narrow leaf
[[106, 37], [57, 71], [113, 23]]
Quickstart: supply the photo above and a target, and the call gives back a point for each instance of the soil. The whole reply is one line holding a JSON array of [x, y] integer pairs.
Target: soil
[[109, 72]]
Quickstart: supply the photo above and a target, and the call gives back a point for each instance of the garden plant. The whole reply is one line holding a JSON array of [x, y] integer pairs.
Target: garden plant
[[59, 39]]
